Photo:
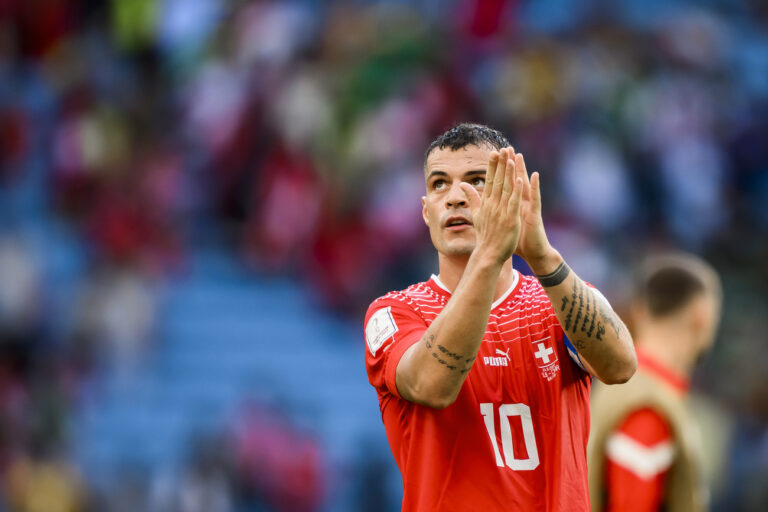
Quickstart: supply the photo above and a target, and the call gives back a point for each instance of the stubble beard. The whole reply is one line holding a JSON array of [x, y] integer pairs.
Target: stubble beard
[[455, 248]]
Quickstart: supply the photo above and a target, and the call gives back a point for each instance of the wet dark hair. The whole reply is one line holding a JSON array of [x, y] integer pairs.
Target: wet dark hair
[[668, 283], [468, 134]]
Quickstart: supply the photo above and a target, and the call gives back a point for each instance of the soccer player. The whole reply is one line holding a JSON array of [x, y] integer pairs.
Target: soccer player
[[483, 374], [644, 453]]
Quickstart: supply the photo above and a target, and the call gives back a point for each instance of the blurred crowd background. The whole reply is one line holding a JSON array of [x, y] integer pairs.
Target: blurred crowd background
[[199, 199]]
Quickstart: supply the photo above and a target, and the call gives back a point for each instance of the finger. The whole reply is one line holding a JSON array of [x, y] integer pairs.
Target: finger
[[522, 172], [520, 163], [516, 199], [490, 173], [509, 180], [473, 197], [499, 175], [536, 193]]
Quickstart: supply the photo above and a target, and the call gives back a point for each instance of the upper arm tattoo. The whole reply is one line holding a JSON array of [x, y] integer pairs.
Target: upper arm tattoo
[[451, 360]]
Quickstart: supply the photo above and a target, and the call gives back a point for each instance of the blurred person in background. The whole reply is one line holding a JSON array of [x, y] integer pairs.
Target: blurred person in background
[[205, 484], [44, 481], [276, 465], [481, 341], [645, 451], [115, 317]]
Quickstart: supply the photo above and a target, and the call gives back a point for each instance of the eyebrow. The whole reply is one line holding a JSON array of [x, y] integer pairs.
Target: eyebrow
[[466, 174]]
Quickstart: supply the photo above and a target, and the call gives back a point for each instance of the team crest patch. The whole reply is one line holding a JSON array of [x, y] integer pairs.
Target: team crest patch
[[381, 326], [546, 358]]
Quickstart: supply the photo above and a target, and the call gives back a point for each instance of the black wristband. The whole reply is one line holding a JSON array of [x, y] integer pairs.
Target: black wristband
[[555, 277]]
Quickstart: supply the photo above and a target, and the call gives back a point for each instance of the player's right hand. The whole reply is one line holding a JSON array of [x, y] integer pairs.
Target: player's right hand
[[496, 214]]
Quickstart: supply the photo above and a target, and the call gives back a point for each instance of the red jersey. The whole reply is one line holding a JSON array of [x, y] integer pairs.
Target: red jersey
[[516, 436]]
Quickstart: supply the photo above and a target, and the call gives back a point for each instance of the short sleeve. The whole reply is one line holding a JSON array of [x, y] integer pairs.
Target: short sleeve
[[638, 455], [391, 328]]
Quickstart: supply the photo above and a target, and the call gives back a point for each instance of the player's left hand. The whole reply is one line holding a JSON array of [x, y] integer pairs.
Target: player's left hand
[[533, 246]]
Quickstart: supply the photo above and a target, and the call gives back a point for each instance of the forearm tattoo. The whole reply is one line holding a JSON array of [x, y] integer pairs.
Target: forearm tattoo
[[587, 316], [445, 357], [555, 277], [610, 318]]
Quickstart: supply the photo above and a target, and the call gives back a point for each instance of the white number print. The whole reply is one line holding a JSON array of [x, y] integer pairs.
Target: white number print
[[505, 412]]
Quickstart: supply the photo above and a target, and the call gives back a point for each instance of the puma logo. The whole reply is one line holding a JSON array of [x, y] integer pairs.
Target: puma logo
[[501, 359]]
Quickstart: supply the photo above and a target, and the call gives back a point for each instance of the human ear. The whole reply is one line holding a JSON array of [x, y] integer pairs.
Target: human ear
[[702, 323]]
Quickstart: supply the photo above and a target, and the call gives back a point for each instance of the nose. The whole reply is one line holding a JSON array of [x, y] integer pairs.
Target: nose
[[455, 197]]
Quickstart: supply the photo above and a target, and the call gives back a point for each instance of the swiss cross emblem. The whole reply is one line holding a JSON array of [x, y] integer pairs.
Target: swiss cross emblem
[[546, 358], [543, 353]]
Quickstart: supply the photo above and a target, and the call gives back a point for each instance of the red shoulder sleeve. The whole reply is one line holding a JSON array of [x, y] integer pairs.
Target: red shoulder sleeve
[[638, 457], [391, 327]]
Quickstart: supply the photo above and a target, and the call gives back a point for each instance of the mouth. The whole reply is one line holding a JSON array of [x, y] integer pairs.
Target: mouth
[[457, 223]]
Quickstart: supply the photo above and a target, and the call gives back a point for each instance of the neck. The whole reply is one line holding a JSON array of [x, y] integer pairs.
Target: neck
[[670, 344], [452, 268]]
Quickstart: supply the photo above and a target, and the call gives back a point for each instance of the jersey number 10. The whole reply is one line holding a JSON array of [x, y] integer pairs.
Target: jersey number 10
[[505, 412]]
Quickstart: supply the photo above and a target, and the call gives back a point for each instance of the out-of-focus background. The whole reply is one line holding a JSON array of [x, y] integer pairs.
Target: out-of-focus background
[[199, 198]]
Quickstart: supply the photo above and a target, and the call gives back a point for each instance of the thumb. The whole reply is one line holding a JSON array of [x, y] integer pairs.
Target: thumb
[[473, 197]]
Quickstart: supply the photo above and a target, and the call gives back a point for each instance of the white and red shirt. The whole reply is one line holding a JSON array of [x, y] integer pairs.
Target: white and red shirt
[[516, 436]]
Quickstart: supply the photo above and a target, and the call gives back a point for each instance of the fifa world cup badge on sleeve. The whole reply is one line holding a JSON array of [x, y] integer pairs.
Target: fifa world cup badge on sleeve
[[379, 329]]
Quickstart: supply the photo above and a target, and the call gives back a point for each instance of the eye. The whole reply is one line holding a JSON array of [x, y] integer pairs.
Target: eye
[[477, 182], [438, 184]]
